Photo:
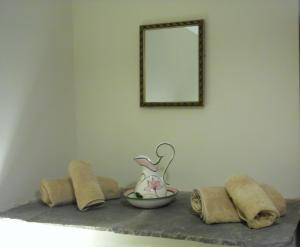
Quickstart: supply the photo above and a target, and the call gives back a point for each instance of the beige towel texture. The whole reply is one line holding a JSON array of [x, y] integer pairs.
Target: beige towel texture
[[87, 191], [276, 198], [252, 202], [213, 205], [59, 191]]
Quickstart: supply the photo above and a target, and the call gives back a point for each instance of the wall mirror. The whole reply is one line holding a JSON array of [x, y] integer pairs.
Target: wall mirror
[[172, 64]]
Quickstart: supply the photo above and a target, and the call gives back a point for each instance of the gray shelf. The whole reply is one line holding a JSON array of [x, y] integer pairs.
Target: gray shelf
[[174, 221]]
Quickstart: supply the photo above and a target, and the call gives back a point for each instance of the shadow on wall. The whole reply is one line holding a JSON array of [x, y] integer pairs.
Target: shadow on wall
[[37, 136], [38, 145]]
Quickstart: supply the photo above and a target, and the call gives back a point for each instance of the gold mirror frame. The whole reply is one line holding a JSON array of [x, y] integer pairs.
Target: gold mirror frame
[[143, 29]]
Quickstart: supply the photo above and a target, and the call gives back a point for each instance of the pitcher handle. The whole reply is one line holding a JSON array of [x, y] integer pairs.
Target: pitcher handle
[[160, 157]]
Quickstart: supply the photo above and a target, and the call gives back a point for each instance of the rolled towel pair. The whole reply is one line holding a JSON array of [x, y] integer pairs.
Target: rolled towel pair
[[241, 199], [59, 191], [81, 187]]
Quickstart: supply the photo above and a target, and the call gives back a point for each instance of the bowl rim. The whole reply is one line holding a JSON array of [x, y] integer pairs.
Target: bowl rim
[[131, 191]]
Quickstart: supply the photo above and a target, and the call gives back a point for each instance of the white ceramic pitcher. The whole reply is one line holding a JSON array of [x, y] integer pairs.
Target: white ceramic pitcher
[[152, 183]]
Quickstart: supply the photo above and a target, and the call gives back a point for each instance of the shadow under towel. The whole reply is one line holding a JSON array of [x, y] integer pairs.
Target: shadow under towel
[[87, 191], [253, 204]]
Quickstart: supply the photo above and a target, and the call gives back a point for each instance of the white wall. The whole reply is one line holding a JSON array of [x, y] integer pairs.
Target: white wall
[[250, 121], [37, 113]]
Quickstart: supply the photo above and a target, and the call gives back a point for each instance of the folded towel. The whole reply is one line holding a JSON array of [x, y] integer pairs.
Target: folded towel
[[59, 191], [253, 204], [87, 191], [213, 205], [276, 198]]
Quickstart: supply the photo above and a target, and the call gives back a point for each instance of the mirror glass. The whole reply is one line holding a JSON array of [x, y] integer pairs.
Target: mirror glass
[[172, 64]]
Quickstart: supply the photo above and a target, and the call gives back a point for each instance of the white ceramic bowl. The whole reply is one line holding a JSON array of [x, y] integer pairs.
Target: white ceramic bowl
[[150, 202]]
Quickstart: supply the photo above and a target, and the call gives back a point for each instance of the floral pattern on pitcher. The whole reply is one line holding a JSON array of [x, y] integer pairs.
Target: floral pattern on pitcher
[[153, 185]]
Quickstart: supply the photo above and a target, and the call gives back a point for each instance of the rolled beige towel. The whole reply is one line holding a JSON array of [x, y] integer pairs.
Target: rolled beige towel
[[276, 198], [252, 202], [87, 190], [59, 191], [213, 205]]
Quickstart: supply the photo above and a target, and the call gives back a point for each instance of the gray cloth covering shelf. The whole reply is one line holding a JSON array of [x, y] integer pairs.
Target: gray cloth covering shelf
[[173, 221]]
